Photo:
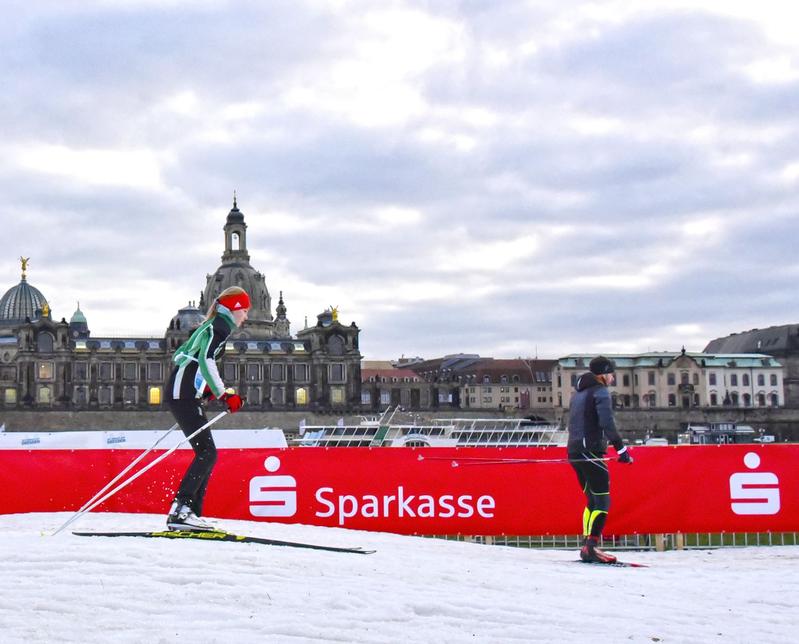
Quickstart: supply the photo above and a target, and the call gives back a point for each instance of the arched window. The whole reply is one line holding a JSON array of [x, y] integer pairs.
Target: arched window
[[301, 396], [696, 378], [672, 400], [775, 400], [761, 400], [745, 380], [335, 345], [747, 400], [734, 398], [44, 342], [683, 377], [154, 395], [235, 242]]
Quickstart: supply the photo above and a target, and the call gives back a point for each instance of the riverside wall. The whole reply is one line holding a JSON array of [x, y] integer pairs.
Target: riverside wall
[[637, 424]]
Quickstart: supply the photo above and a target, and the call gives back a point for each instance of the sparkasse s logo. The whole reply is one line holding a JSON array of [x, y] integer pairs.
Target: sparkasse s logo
[[273, 495], [754, 493]]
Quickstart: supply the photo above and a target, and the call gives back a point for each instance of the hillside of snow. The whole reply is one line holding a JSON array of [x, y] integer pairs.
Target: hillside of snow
[[66, 588]]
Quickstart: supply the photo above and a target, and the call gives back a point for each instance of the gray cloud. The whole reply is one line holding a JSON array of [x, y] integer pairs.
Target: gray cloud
[[468, 177]]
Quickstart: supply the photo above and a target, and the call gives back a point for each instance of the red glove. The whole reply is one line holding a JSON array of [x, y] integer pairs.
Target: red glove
[[208, 394], [232, 400]]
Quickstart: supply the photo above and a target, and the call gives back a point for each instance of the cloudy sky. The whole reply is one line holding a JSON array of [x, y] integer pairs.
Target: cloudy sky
[[504, 178]]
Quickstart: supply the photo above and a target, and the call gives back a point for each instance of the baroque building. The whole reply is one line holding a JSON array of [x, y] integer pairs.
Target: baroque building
[[681, 380], [48, 364]]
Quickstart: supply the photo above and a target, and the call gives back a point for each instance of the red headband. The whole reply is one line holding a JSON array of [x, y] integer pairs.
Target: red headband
[[235, 301]]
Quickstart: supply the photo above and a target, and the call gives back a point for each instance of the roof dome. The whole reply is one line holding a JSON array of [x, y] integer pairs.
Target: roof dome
[[78, 326], [235, 216], [78, 317], [21, 301], [188, 318]]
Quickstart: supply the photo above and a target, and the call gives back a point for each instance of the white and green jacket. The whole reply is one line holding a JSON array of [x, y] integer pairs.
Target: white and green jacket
[[196, 358]]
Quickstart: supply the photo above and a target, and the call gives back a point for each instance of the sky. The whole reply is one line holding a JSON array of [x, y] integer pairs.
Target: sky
[[92, 589], [509, 179]]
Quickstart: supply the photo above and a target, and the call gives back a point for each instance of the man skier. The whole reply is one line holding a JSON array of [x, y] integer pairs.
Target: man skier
[[591, 426]]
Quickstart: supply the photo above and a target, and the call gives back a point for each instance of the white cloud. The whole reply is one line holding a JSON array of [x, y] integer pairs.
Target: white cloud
[[777, 70], [134, 168]]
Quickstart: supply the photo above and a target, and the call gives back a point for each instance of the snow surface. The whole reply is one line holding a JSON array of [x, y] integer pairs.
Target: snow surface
[[76, 589]]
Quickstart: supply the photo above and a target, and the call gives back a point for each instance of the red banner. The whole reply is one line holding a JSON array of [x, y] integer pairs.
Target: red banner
[[730, 488]]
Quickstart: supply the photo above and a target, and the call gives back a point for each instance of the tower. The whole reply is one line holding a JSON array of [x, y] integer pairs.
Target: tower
[[236, 270]]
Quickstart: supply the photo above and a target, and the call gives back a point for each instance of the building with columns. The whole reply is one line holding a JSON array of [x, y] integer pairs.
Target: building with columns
[[47, 363], [681, 380]]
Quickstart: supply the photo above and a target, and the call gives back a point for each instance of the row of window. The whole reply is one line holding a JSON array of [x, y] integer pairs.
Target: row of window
[[685, 377], [130, 395], [503, 390], [650, 400], [153, 371]]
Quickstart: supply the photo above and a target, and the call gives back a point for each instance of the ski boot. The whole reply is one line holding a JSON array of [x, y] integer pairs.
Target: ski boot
[[182, 517], [589, 553]]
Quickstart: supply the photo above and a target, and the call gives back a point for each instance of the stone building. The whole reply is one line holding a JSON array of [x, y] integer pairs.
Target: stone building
[[681, 380], [384, 385], [48, 364], [468, 381], [780, 342], [509, 384]]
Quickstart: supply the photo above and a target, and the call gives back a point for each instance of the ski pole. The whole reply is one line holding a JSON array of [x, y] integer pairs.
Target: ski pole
[[129, 467], [476, 460], [130, 479]]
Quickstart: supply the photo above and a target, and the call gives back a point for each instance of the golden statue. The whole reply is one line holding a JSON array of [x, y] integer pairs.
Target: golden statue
[[24, 261], [334, 313], [46, 310]]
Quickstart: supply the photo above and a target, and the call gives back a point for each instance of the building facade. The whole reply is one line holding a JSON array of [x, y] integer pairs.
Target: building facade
[[48, 364], [681, 380], [780, 342], [384, 385], [468, 381]]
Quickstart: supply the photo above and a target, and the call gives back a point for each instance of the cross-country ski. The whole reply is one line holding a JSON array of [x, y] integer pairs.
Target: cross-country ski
[[613, 564], [219, 535]]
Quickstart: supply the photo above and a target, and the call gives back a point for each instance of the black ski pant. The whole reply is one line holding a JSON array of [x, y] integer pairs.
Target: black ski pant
[[594, 480], [191, 416]]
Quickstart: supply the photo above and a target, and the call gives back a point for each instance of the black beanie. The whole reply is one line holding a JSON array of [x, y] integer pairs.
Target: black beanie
[[601, 365]]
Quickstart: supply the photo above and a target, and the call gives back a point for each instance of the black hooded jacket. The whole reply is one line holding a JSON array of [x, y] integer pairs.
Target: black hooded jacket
[[591, 423]]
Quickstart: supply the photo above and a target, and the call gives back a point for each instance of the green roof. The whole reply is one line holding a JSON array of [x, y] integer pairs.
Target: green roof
[[664, 359]]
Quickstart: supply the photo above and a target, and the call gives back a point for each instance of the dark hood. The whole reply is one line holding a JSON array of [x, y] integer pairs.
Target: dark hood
[[586, 381]]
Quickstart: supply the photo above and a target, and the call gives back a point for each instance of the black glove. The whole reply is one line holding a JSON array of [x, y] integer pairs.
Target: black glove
[[624, 455]]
